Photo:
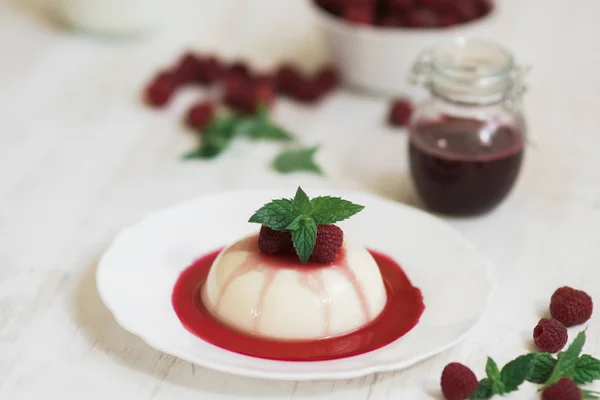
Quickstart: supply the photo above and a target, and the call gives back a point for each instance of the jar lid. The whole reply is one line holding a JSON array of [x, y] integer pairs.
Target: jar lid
[[470, 70]]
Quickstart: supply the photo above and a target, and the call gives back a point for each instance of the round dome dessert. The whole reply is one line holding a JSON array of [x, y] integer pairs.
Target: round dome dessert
[[281, 298], [298, 279]]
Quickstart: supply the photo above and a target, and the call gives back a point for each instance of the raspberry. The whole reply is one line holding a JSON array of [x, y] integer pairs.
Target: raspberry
[[400, 112], [458, 382], [358, 14], [272, 242], [263, 92], [564, 389], [200, 115], [571, 307], [399, 5], [287, 77], [466, 10], [187, 68], [239, 68], [160, 90], [550, 335], [390, 21], [307, 92], [448, 19], [329, 241], [423, 18], [236, 92], [328, 79], [209, 70]]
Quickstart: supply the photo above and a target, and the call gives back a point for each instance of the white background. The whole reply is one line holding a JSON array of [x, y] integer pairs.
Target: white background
[[80, 158]]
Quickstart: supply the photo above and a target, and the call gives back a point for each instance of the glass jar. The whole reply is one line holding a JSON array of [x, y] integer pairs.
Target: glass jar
[[467, 140]]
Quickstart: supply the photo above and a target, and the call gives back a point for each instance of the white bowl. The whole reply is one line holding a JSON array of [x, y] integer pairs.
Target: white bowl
[[378, 59]]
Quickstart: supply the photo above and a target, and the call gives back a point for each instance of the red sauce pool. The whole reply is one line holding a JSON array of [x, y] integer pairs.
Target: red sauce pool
[[401, 313]]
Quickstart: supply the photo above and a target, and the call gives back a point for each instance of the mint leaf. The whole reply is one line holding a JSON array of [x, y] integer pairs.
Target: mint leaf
[[295, 224], [491, 369], [276, 215], [216, 138], [565, 365], [298, 160], [587, 369], [328, 210], [301, 204], [541, 368], [272, 132], [246, 126], [484, 390], [515, 372], [304, 238]]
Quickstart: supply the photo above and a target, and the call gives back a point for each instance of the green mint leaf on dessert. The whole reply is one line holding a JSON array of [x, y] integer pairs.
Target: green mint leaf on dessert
[[567, 360], [329, 210], [587, 369], [304, 238], [541, 368], [484, 390], [301, 204], [276, 215], [491, 369], [516, 372], [301, 215], [297, 160]]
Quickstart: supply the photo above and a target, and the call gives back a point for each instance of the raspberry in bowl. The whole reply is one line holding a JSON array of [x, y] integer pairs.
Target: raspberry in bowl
[[373, 42]]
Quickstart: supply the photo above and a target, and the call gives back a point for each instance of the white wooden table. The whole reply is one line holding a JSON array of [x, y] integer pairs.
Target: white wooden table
[[80, 158]]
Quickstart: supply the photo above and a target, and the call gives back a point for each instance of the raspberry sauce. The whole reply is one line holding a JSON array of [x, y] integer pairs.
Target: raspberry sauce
[[464, 166], [401, 313]]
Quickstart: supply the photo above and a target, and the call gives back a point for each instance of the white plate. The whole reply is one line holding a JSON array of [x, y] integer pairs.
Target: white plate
[[136, 276]]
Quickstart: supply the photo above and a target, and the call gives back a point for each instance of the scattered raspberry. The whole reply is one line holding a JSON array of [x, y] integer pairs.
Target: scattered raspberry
[[187, 68], [550, 335], [237, 92], [263, 93], [400, 112], [209, 70], [272, 242], [423, 18], [160, 90], [307, 92], [564, 389], [329, 241], [328, 79], [240, 69], [200, 115], [458, 382], [390, 21], [287, 78], [571, 307]]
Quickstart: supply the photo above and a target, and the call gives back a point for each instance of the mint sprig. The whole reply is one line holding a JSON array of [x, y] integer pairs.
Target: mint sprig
[[301, 215], [542, 369], [221, 132], [297, 160]]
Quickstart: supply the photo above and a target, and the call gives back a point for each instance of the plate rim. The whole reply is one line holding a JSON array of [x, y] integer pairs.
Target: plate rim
[[357, 372]]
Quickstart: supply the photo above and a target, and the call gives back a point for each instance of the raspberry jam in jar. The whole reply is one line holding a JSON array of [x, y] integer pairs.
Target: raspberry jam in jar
[[467, 140]]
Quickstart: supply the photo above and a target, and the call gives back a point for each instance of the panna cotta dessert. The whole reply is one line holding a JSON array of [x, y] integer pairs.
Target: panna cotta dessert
[[298, 279]]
